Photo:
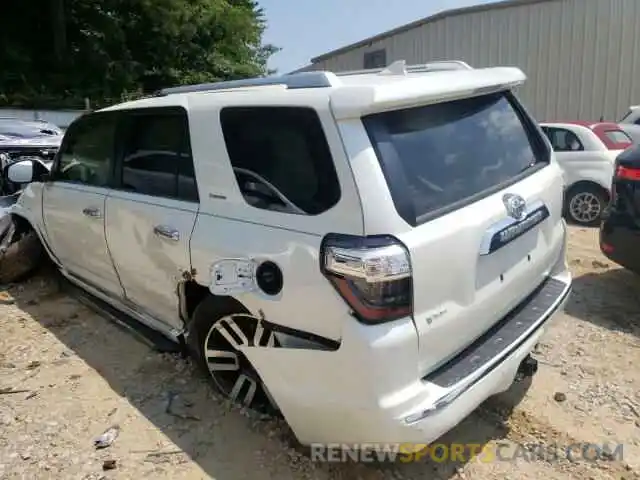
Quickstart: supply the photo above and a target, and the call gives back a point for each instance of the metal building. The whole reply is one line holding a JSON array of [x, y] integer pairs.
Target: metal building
[[581, 57]]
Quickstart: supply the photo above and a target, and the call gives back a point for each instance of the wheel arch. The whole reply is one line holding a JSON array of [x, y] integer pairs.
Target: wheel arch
[[191, 294], [576, 186], [24, 223]]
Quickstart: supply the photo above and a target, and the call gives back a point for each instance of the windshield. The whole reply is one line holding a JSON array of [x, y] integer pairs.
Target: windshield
[[437, 156]]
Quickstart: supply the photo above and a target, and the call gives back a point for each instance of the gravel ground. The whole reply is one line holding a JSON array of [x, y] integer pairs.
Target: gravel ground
[[75, 374]]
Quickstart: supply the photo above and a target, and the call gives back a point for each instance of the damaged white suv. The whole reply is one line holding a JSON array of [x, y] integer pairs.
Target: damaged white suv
[[371, 254]]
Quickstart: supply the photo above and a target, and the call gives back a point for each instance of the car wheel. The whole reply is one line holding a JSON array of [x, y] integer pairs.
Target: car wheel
[[215, 335], [20, 255], [585, 204]]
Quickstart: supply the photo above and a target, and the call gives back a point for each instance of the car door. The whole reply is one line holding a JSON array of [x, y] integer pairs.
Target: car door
[[74, 201], [569, 152], [151, 213]]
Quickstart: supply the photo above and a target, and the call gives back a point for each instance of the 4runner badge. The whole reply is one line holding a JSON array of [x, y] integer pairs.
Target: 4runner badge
[[515, 205]]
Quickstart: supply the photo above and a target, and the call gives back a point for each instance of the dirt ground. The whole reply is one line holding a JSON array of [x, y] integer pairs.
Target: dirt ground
[[67, 374]]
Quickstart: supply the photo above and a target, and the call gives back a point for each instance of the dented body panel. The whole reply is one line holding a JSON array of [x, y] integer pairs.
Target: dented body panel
[[136, 246], [307, 301]]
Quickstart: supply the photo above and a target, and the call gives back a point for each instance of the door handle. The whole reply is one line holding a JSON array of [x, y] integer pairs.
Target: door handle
[[169, 233], [92, 212]]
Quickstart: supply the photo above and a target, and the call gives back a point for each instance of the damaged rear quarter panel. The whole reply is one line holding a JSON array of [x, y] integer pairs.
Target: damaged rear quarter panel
[[227, 227], [307, 302]]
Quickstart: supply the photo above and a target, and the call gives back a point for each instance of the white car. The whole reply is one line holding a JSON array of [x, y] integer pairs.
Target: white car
[[586, 152], [370, 254]]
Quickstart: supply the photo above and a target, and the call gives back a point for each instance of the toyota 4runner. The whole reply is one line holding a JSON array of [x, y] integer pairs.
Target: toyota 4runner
[[371, 254]]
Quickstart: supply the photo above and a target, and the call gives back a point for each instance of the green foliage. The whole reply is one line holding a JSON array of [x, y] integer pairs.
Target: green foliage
[[62, 51]]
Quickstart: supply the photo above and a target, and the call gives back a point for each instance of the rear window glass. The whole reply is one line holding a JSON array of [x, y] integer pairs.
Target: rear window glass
[[436, 157], [618, 137]]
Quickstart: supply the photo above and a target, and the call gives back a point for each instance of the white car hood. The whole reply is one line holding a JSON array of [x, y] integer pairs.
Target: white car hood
[[52, 141]]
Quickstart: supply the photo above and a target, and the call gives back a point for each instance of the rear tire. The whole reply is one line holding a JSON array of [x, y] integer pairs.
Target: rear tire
[[217, 327], [585, 204], [20, 255]]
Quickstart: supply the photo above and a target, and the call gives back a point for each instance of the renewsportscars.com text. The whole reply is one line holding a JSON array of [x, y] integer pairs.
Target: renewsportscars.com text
[[460, 452]]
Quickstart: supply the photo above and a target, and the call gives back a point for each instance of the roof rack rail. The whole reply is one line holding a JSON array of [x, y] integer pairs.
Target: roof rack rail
[[291, 81], [399, 67]]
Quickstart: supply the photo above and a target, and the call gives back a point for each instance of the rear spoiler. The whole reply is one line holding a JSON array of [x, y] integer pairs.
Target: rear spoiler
[[421, 87]]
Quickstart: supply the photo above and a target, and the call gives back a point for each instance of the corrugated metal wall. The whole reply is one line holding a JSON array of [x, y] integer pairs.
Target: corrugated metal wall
[[582, 57]]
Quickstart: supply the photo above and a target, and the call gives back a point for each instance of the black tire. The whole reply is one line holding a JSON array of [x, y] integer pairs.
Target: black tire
[[584, 204], [20, 256], [213, 320]]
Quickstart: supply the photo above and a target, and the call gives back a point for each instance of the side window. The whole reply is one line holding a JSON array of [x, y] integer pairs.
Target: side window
[[88, 151], [156, 155], [281, 158], [564, 140], [375, 59]]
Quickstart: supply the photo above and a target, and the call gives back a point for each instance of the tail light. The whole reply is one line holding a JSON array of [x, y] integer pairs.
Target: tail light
[[627, 173], [372, 274]]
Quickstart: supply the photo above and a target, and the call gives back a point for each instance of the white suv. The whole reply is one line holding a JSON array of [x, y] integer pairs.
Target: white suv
[[372, 254]]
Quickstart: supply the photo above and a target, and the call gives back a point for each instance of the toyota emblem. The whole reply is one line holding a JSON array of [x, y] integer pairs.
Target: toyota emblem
[[515, 205]]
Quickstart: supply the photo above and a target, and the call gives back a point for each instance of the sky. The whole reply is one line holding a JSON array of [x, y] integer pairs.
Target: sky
[[307, 28]]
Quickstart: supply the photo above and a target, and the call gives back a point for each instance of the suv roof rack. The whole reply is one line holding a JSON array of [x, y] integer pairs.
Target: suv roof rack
[[315, 79], [292, 81], [400, 67]]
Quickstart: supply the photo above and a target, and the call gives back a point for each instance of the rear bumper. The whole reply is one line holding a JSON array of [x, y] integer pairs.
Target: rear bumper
[[619, 239], [490, 364], [369, 390]]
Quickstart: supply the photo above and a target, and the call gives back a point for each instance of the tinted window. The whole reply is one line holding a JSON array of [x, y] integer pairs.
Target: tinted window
[[157, 155], [563, 140], [87, 153], [281, 158], [437, 156]]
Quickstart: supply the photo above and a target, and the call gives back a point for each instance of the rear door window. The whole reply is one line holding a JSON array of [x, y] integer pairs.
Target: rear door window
[[437, 158], [156, 154]]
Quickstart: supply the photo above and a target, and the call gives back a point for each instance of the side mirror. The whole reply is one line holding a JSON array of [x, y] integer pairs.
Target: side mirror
[[26, 171]]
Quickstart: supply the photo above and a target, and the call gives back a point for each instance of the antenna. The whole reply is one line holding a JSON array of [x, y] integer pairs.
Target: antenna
[[399, 67]]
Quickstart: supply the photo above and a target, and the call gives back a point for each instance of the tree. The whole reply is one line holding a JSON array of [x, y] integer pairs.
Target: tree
[[106, 49]]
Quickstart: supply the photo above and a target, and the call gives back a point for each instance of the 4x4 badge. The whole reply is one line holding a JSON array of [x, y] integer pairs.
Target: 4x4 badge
[[515, 205]]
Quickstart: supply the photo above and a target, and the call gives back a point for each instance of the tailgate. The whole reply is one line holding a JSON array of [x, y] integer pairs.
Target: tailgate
[[475, 181], [464, 289]]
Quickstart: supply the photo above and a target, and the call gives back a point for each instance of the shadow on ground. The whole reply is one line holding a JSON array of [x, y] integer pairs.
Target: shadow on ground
[[226, 444], [608, 298]]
